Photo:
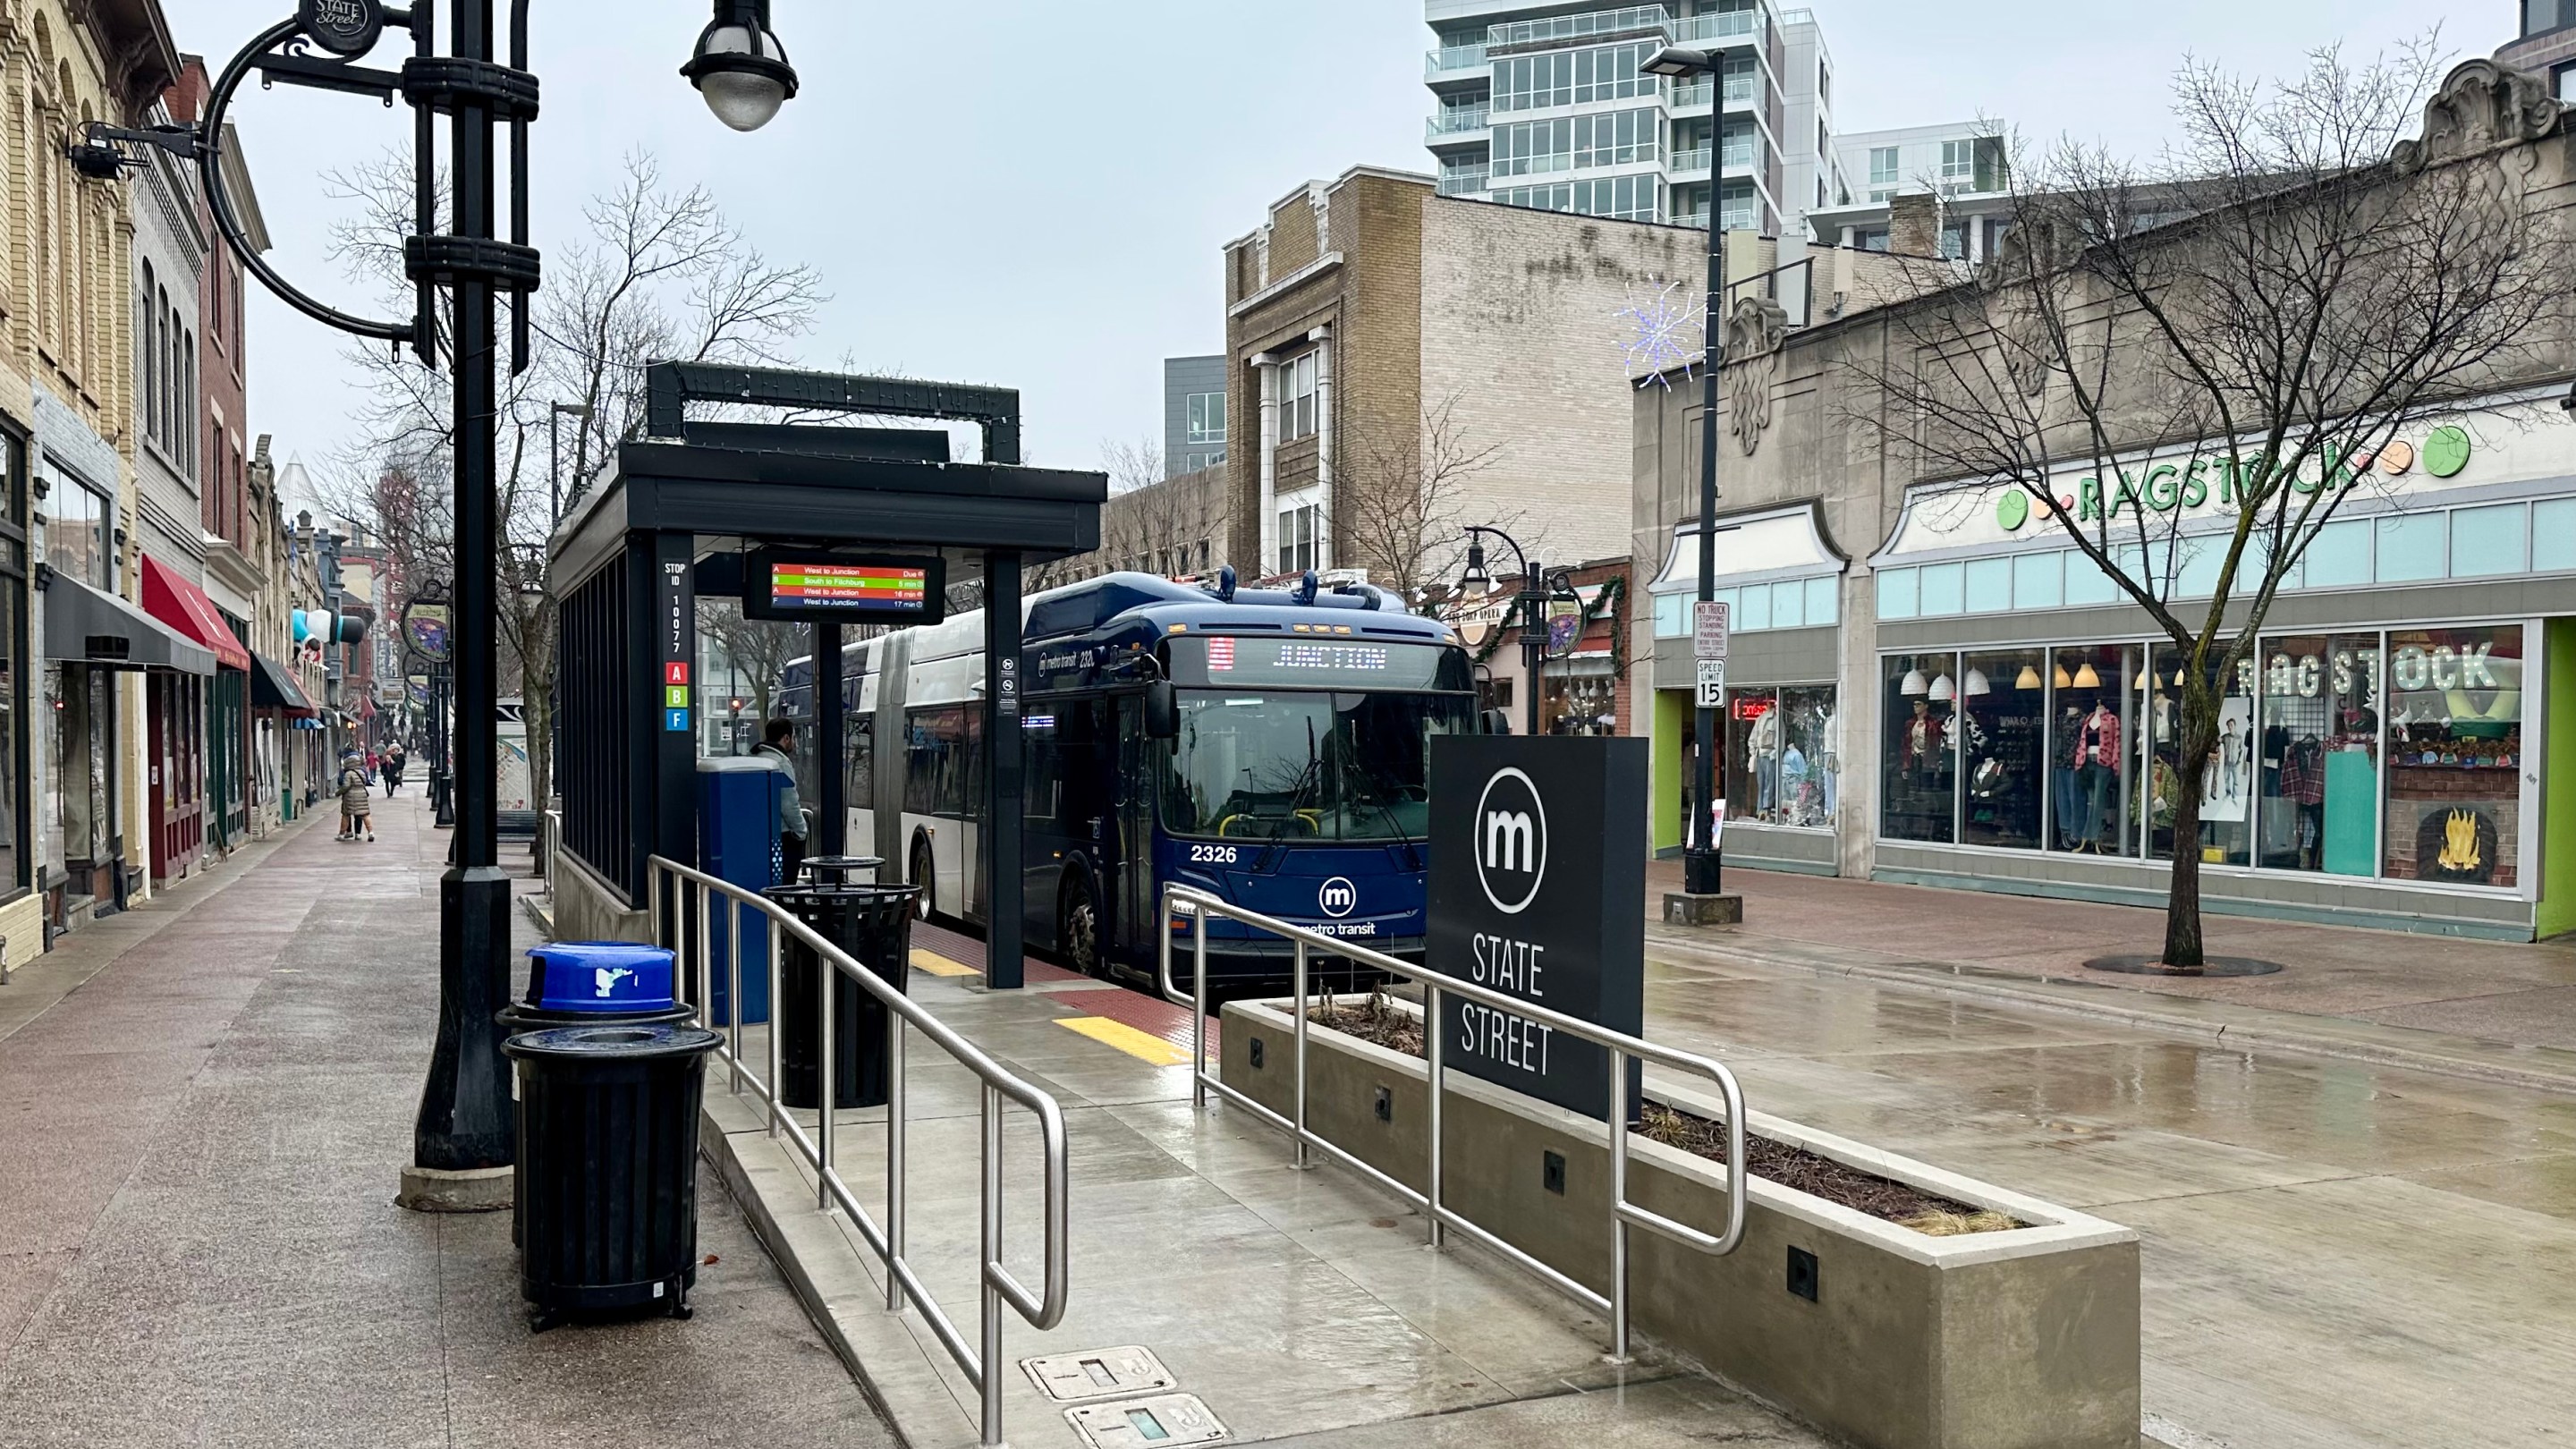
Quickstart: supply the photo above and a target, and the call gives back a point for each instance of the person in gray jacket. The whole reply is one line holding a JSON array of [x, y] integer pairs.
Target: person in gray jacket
[[778, 749]]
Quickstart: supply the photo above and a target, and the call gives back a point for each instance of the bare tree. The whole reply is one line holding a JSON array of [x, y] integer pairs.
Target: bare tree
[[756, 647], [2188, 369], [1401, 493], [1150, 522], [658, 273]]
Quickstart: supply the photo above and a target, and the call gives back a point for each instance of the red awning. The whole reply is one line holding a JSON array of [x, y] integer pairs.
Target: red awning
[[184, 607]]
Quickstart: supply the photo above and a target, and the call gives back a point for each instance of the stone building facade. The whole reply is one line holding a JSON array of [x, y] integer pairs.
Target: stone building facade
[[1928, 685], [1372, 324]]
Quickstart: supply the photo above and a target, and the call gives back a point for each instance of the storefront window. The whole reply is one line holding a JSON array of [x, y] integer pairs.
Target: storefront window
[[2226, 783], [2320, 754], [1810, 757], [1782, 760], [76, 542], [1586, 704], [1920, 797], [1752, 753], [12, 859], [2454, 755], [2090, 750], [2003, 724]]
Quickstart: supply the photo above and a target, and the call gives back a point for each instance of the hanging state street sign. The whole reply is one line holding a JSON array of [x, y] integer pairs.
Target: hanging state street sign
[[1538, 860]]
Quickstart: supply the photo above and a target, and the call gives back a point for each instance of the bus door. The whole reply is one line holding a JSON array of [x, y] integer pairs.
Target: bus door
[[1137, 913]]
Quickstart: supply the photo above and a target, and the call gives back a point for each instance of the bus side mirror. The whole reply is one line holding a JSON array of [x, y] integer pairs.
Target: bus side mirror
[[1162, 711]]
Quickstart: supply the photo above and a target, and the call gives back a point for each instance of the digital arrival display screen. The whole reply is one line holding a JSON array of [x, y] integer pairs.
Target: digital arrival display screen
[[1244, 661], [824, 587]]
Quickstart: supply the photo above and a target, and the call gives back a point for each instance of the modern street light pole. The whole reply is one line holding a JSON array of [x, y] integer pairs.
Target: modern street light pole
[[1703, 872], [464, 1138]]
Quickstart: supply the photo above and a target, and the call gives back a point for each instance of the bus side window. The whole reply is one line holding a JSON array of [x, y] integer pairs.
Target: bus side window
[[860, 752], [1043, 785], [928, 761], [967, 779]]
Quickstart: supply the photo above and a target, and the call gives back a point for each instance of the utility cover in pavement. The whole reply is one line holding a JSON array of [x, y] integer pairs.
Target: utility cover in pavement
[[1068, 1377], [1167, 1421]]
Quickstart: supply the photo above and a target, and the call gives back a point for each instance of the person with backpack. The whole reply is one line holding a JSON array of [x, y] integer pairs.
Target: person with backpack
[[356, 799], [393, 769]]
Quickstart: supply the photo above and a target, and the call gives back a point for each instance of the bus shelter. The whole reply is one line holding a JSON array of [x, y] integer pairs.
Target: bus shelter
[[725, 508]]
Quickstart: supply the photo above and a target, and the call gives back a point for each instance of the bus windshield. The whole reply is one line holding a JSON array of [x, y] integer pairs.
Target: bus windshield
[[1296, 765]]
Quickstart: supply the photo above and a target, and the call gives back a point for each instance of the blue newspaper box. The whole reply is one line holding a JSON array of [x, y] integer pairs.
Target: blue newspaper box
[[738, 844]]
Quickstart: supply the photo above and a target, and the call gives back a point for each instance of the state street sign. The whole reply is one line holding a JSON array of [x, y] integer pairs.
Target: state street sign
[[1538, 871]]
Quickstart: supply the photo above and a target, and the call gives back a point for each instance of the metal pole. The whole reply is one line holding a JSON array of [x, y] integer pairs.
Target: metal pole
[[1431, 1058], [1298, 985], [1702, 868], [777, 1096], [466, 1116], [826, 976], [1618, 1200], [703, 978], [1004, 869], [894, 1159], [733, 997], [1198, 1010], [991, 1375], [1533, 637], [831, 825]]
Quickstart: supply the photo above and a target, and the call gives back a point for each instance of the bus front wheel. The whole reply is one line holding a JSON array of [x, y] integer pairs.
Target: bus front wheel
[[922, 904], [1077, 930]]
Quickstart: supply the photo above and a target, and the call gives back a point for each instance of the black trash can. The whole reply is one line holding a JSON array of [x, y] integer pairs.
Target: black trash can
[[874, 924], [567, 987], [608, 1159]]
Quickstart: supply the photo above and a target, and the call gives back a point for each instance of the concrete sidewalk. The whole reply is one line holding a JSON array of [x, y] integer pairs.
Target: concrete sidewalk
[[2466, 1008], [206, 1103]]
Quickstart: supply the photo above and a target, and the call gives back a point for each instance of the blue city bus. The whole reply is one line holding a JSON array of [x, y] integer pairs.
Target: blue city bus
[[1267, 745]]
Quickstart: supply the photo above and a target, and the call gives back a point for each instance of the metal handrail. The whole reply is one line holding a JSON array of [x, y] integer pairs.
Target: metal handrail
[[1042, 1311], [1179, 900]]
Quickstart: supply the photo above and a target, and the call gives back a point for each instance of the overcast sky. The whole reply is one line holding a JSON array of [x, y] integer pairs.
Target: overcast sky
[[1035, 195]]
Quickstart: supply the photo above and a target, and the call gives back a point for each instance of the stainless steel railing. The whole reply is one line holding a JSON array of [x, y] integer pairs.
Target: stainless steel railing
[[982, 1363], [1200, 907]]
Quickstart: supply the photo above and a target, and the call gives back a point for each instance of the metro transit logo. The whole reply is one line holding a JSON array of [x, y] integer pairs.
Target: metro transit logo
[[1511, 841]]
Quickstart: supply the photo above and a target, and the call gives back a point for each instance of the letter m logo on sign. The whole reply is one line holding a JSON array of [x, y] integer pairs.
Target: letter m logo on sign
[[1509, 843]]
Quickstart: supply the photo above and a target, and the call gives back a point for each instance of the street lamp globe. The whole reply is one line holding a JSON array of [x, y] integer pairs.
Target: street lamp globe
[[1475, 583], [740, 67]]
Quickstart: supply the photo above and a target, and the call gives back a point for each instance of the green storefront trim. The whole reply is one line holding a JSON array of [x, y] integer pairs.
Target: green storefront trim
[[2557, 914]]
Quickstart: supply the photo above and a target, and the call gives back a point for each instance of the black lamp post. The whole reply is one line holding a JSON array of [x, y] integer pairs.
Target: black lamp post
[[464, 1140], [1530, 603], [1702, 869]]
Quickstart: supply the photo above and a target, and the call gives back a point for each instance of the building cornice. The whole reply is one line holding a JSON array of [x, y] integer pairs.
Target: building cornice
[[1316, 268]]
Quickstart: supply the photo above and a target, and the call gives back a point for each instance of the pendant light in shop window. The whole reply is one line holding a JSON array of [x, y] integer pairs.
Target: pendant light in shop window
[[1913, 683], [1943, 691], [2064, 681], [1978, 684], [2085, 678], [2029, 678]]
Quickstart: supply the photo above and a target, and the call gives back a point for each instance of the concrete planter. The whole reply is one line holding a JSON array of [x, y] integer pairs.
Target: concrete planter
[[2026, 1339]]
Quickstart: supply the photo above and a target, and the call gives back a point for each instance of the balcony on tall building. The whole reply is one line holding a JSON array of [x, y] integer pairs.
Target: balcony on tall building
[[1462, 180], [1467, 123], [1455, 63]]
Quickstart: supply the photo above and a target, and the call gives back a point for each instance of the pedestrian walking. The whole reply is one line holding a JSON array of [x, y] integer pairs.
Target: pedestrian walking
[[357, 791], [778, 749], [394, 759]]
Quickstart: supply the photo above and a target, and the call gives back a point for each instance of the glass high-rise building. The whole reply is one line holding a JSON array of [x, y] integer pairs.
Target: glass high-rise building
[[1546, 106]]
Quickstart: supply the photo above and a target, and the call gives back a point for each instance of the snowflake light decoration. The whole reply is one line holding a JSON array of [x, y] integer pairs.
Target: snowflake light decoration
[[1666, 331]]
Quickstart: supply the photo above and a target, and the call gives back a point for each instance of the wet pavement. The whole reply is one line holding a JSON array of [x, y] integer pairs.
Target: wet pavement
[[2522, 995], [2334, 1254], [206, 1104]]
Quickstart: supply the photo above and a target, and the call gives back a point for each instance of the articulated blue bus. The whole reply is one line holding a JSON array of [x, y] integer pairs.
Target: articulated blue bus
[[1267, 745]]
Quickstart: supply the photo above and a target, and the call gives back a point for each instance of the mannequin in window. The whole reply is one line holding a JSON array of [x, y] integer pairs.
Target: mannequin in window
[[2097, 773], [1927, 742]]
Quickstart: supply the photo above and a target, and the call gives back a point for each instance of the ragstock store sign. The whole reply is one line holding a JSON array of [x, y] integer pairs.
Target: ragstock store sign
[[1538, 874]]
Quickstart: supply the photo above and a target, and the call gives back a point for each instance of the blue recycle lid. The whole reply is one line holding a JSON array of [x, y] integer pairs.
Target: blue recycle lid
[[603, 976]]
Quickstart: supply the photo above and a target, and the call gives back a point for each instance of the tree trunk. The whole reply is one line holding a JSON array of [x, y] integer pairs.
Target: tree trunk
[[2183, 950]]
